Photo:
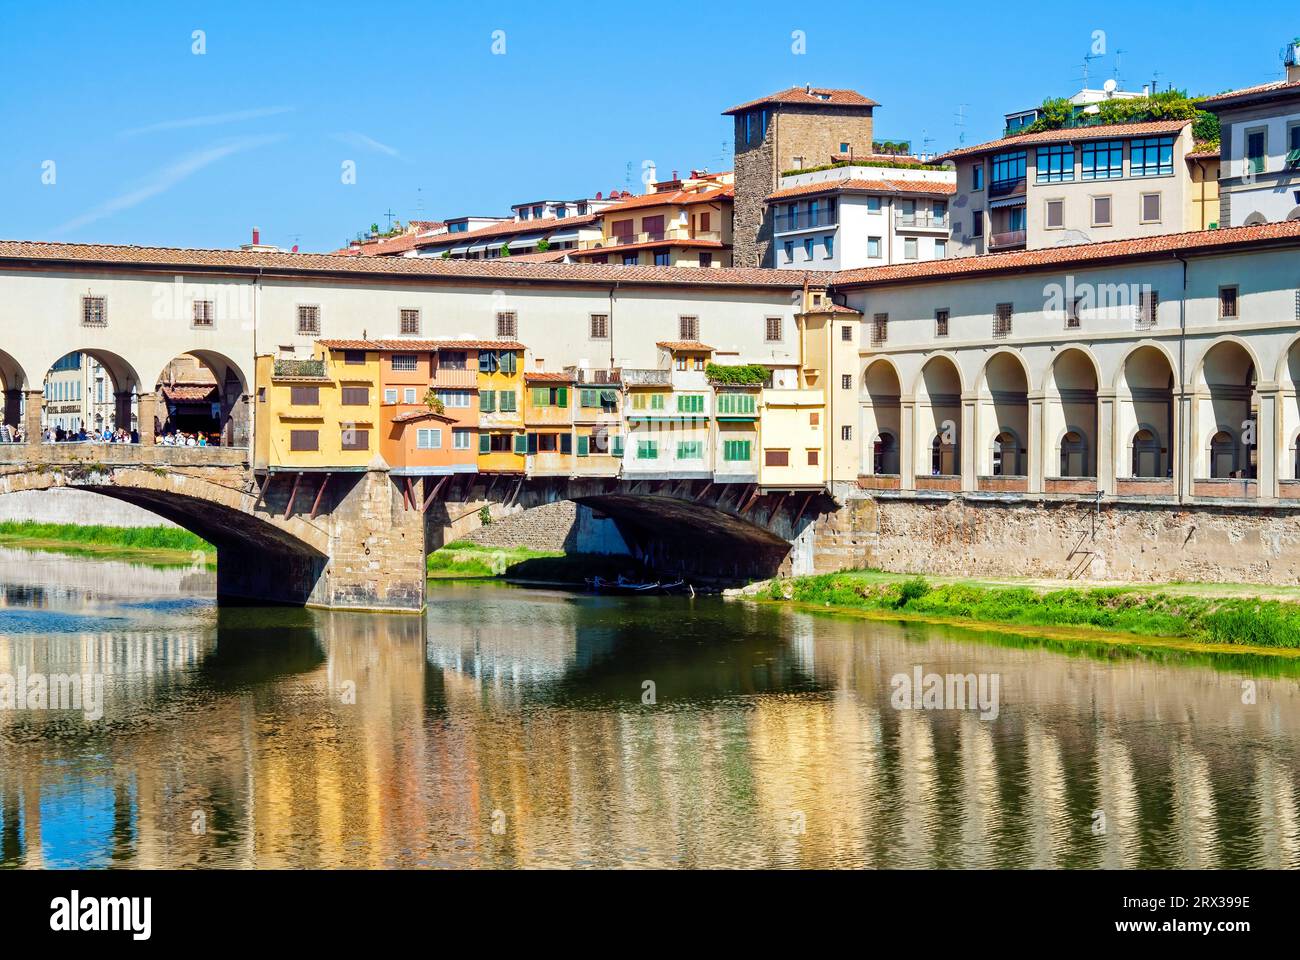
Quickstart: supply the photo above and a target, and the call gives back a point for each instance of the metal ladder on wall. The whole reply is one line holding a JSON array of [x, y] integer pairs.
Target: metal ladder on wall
[[1080, 556]]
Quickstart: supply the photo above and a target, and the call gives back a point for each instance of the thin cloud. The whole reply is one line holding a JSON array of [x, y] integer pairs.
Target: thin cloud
[[164, 179], [354, 139], [209, 120]]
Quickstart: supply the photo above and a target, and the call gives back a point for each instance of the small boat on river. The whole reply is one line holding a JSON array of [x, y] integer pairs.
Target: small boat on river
[[625, 585]]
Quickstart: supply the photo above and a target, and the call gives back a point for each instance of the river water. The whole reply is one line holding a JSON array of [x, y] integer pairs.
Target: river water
[[514, 728]]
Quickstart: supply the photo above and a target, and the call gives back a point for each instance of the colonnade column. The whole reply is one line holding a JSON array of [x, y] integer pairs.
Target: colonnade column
[[32, 416], [969, 442], [1037, 457], [1181, 446], [147, 410], [907, 445], [1106, 453], [1268, 440]]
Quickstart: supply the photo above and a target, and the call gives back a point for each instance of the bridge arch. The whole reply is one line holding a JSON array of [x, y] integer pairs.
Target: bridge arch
[[90, 388]]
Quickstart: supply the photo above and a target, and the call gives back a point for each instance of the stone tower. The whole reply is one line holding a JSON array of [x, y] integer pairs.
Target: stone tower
[[795, 129]]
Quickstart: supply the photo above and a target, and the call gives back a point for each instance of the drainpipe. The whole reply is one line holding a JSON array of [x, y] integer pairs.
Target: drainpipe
[[1184, 469], [612, 290]]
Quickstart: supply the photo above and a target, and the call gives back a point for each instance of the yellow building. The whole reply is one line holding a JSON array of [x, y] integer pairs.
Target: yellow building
[[318, 413], [679, 223], [1203, 192], [829, 338], [792, 436], [597, 422], [548, 417], [503, 442]]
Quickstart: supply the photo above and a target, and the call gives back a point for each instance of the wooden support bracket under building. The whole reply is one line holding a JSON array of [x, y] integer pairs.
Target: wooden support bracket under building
[[288, 507], [315, 506]]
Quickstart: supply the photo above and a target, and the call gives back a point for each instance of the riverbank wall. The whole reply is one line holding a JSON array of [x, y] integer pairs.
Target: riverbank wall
[[563, 525], [1094, 542]]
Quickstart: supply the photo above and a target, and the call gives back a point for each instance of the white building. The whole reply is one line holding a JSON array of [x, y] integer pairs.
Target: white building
[[1260, 149], [858, 215]]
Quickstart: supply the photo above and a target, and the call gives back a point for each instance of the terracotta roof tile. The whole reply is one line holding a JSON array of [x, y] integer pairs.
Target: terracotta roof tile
[[1101, 131], [171, 259], [1262, 91], [810, 97], [544, 376], [1076, 255], [927, 188], [684, 346], [674, 197]]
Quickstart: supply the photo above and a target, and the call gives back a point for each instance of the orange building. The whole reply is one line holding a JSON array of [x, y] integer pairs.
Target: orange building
[[428, 404]]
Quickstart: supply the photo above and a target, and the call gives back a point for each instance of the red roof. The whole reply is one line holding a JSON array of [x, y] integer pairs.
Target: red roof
[[1079, 254], [541, 376], [1100, 131], [413, 415], [1263, 91], [711, 194], [188, 391], [808, 97], [683, 346], [924, 187]]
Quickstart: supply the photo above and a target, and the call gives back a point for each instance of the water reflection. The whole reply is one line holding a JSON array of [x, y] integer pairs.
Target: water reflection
[[290, 738]]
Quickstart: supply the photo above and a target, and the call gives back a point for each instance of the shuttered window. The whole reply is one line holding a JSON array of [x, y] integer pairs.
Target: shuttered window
[[304, 440], [356, 396]]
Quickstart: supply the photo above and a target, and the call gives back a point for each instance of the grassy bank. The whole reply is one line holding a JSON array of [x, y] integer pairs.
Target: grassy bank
[[463, 560], [1192, 618], [148, 544]]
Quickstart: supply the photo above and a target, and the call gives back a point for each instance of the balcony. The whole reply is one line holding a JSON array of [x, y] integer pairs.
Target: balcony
[[299, 369], [805, 220], [921, 221], [445, 378], [639, 376], [1009, 240], [599, 378], [1007, 188]]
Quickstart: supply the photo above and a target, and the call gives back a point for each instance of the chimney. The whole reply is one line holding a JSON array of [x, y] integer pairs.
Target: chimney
[[1291, 56], [257, 236]]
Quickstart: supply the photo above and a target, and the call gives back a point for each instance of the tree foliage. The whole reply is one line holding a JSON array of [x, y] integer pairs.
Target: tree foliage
[[1058, 113]]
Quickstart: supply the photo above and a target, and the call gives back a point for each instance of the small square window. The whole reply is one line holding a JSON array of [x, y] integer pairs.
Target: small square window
[[1054, 215], [1228, 303], [772, 330], [941, 323], [1150, 208], [599, 326], [410, 322], [94, 312], [1101, 211], [203, 313], [507, 325], [846, 381], [688, 328], [308, 320]]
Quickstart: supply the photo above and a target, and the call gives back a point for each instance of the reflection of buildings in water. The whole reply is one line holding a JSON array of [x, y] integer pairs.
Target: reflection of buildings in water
[[1118, 800], [981, 798], [1046, 813], [1193, 823], [1279, 824], [76, 582]]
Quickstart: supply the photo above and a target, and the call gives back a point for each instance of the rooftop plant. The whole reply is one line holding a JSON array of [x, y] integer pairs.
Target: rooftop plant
[[741, 374]]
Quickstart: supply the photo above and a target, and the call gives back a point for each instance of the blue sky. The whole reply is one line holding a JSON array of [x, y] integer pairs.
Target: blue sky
[[153, 144]]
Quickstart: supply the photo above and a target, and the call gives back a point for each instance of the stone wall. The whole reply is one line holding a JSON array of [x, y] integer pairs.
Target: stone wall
[[1140, 542], [563, 525]]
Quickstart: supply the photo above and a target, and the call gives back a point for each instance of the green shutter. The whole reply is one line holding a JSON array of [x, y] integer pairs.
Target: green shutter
[[566, 443], [532, 443], [616, 445], [589, 398], [656, 401], [562, 397], [487, 401], [521, 443], [583, 445], [484, 443]]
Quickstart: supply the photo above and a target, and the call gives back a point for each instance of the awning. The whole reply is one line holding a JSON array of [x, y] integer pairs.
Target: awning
[[1016, 201]]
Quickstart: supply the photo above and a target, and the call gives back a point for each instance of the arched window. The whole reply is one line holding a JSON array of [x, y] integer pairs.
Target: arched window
[[1074, 455], [1006, 455], [943, 458], [1146, 455], [884, 455], [1223, 456]]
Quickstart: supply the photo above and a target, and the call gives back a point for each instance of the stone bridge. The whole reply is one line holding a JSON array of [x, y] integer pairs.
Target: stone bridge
[[357, 539]]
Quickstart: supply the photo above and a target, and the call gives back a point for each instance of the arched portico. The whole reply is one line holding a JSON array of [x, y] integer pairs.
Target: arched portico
[[1003, 422]]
